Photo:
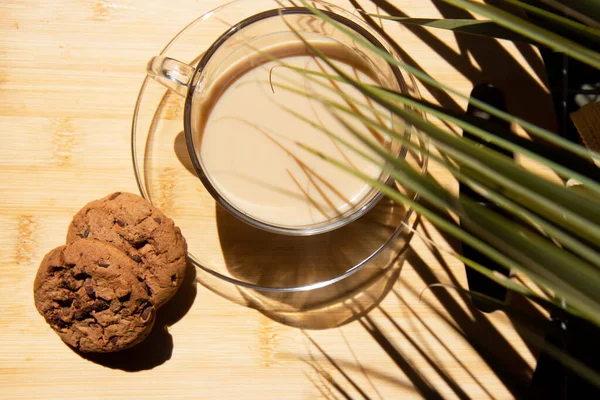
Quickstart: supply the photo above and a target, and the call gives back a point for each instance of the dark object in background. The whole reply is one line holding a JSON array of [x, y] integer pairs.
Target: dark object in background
[[570, 82], [478, 282], [574, 336]]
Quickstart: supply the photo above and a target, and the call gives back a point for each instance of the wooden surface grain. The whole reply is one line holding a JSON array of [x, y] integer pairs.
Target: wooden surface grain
[[69, 77]]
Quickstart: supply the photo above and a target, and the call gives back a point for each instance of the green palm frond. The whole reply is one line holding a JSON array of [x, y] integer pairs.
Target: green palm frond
[[574, 26], [467, 26], [587, 12], [546, 231], [532, 31]]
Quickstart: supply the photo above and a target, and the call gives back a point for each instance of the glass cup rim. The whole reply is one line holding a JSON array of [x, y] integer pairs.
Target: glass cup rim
[[325, 226]]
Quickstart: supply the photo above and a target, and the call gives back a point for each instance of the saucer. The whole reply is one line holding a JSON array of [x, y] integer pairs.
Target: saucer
[[234, 259]]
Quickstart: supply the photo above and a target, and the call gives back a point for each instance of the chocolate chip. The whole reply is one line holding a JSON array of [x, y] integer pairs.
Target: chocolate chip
[[90, 291], [125, 298], [174, 279], [158, 220], [57, 268], [81, 276], [147, 313], [64, 303], [85, 233], [114, 195], [88, 308], [113, 340], [66, 311], [79, 315], [138, 245], [136, 258], [103, 264], [121, 223], [100, 305]]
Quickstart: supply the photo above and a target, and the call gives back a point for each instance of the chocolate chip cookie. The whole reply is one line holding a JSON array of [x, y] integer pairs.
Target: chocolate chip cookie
[[88, 293], [144, 233]]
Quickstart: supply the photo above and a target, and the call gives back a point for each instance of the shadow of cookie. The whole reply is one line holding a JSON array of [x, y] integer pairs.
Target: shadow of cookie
[[181, 302], [152, 352], [157, 348]]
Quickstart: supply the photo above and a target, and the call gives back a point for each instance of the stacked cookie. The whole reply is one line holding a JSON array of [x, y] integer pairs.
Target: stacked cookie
[[123, 260]]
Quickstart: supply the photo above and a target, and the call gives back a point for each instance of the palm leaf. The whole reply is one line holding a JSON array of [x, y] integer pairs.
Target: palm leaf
[[467, 26], [573, 26], [587, 12], [532, 31], [525, 215]]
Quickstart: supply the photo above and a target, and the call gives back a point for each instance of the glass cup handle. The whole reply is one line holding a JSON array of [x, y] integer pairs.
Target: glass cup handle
[[173, 74]]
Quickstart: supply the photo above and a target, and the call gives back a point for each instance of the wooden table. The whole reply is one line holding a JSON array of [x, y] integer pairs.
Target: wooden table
[[69, 77]]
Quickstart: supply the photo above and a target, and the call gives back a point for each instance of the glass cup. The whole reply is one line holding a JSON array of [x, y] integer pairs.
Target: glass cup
[[262, 22]]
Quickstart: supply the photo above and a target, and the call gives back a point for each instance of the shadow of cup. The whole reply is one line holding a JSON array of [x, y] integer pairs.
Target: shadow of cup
[[278, 261]]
